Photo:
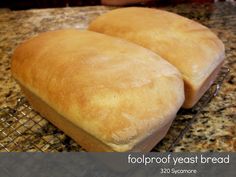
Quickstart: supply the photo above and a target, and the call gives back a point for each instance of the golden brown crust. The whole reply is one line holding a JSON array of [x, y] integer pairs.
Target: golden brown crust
[[186, 44], [90, 143], [87, 141], [116, 91]]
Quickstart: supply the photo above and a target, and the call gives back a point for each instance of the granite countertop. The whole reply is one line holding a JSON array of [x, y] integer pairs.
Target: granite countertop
[[215, 127]]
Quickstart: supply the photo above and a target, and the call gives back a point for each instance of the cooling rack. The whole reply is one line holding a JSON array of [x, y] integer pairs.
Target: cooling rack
[[23, 129]]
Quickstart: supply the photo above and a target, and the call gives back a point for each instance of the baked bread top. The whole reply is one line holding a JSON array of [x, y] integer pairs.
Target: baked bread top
[[114, 90], [189, 46]]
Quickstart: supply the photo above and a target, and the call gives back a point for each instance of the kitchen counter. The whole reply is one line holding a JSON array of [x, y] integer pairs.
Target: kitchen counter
[[215, 127]]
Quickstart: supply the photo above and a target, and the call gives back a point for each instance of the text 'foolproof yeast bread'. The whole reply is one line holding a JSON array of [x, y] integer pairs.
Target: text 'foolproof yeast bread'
[[188, 45], [106, 93]]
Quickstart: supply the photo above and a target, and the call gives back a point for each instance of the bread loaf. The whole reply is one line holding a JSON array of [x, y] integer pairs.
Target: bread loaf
[[189, 46], [105, 93]]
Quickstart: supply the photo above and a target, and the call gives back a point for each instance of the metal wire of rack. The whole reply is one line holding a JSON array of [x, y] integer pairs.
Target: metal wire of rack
[[23, 129]]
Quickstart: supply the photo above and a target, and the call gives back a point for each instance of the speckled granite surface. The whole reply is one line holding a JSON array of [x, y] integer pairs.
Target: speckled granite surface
[[215, 127]]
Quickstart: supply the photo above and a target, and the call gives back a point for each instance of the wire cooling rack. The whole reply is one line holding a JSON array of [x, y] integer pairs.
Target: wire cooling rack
[[23, 129]]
